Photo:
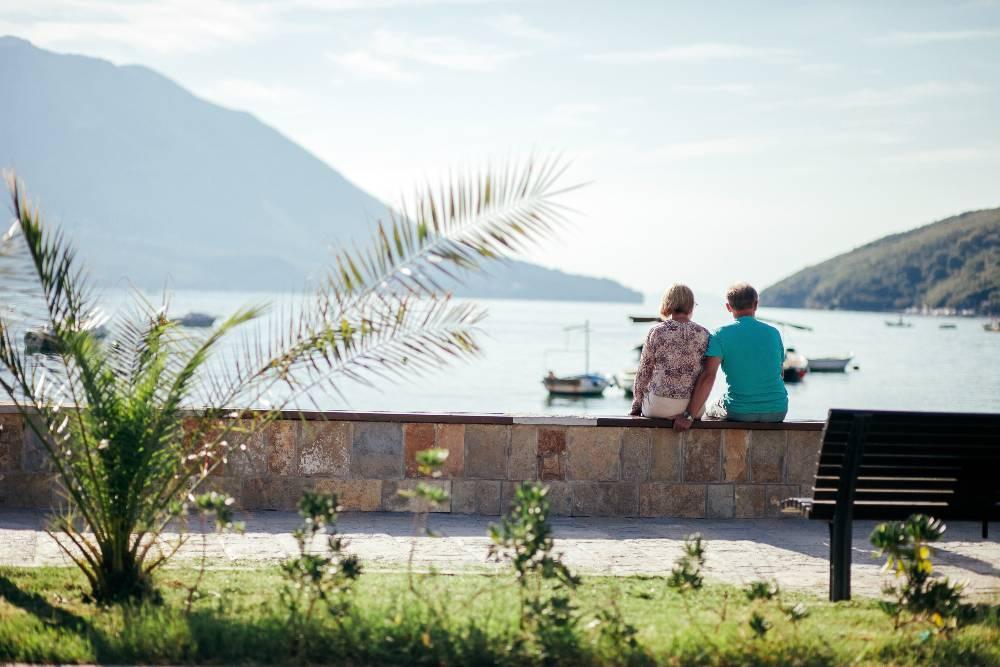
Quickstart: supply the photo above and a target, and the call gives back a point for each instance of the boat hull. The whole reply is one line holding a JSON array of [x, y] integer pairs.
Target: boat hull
[[829, 365], [579, 385]]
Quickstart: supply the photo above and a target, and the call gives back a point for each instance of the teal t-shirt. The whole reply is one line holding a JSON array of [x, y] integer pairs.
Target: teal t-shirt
[[752, 355]]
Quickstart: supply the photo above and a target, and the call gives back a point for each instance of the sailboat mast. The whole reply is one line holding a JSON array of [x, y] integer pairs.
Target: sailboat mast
[[586, 346]]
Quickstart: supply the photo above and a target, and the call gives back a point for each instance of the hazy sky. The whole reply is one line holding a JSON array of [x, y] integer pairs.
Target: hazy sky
[[722, 141]]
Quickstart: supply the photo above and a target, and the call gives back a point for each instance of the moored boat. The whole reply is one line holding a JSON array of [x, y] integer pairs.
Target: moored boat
[[828, 364], [196, 320], [795, 366], [899, 323], [993, 325], [588, 384]]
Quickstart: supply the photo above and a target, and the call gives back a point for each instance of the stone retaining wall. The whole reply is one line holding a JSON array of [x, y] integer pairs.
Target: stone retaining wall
[[604, 466]]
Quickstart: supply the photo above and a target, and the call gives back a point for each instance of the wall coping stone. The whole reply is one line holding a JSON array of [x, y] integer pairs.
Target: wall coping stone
[[507, 419]]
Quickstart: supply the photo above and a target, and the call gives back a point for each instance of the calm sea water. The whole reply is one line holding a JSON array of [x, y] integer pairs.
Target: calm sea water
[[921, 368]]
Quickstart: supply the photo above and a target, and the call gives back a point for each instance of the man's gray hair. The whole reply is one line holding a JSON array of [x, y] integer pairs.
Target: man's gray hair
[[741, 296]]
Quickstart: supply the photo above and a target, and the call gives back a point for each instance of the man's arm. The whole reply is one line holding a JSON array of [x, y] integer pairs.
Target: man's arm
[[702, 388]]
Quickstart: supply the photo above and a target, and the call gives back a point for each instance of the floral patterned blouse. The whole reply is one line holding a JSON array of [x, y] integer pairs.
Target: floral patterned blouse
[[672, 359]]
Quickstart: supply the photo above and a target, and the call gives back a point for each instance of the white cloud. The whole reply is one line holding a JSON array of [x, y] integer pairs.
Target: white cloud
[[704, 52], [368, 65], [710, 148], [866, 98], [514, 25], [725, 88], [391, 56], [942, 156], [579, 114], [937, 36]]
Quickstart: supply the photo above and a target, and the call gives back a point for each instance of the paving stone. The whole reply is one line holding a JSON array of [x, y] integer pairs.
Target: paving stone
[[353, 495], [774, 494], [605, 498], [749, 501], [476, 496], [637, 450], [416, 438], [767, 456], [451, 438], [702, 455], [594, 453], [735, 455], [282, 456], [801, 456], [271, 493], [486, 448], [392, 501], [674, 500], [552, 454], [11, 441], [719, 501], [523, 464], [247, 451], [377, 451], [325, 448], [665, 455]]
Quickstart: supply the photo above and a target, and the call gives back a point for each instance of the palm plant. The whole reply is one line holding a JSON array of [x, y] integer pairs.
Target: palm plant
[[135, 424]]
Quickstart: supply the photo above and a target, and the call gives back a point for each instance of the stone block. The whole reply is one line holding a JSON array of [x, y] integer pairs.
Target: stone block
[[377, 451], [551, 454], [229, 486], [247, 451], [353, 495], [775, 494], [594, 453], [605, 498], [11, 442], [523, 462], [416, 438], [560, 497], [392, 501], [702, 455], [665, 455], [749, 501], [719, 501], [476, 496], [282, 455], [801, 456], [34, 456], [486, 448], [35, 490], [451, 437], [676, 500], [735, 455], [271, 493], [636, 454], [325, 448], [767, 456]]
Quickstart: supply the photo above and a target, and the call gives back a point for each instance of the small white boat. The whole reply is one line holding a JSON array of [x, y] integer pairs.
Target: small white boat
[[899, 323], [44, 341], [993, 325], [795, 366], [947, 325], [577, 385], [628, 375], [829, 364], [585, 384]]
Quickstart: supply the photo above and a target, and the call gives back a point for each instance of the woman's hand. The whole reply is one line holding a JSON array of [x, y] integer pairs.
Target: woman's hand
[[681, 424]]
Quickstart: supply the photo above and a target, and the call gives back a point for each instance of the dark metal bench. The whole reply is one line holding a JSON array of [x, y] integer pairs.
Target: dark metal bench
[[888, 465]]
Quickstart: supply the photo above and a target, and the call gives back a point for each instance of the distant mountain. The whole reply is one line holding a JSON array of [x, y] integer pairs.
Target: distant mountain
[[952, 263], [153, 182]]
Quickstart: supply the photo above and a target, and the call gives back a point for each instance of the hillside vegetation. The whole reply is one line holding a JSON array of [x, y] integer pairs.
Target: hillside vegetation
[[952, 263]]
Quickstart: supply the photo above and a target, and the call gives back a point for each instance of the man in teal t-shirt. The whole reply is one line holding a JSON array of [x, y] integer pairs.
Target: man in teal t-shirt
[[751, 355]]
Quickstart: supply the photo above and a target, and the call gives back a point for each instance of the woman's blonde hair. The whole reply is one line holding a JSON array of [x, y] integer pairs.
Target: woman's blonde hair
[[677, 299]]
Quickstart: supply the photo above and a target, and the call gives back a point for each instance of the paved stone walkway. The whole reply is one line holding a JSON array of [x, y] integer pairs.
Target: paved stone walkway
[[792, 551]]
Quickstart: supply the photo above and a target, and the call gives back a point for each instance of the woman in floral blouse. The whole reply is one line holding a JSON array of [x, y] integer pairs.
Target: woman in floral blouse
[[672, 358]]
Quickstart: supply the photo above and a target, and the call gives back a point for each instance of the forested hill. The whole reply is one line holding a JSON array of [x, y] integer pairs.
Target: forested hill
[[952, 263]]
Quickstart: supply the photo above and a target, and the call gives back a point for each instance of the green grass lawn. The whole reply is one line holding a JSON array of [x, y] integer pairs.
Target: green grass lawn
[[451, 619]]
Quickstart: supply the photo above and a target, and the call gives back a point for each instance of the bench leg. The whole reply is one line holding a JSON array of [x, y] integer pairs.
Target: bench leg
[[840, 559]]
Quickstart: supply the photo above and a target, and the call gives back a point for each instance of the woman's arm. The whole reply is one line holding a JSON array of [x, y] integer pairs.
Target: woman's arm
[[702, 389], [644, 372]]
